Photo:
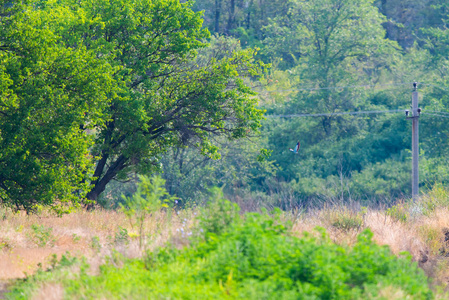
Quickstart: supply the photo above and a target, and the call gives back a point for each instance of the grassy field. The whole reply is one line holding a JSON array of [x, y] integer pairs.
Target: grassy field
[[29, 242]]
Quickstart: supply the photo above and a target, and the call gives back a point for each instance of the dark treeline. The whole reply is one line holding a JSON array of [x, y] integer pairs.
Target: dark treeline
[[246, 19]]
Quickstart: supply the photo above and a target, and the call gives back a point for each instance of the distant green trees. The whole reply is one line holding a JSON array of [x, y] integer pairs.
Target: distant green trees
[[339, 56], [339, 44], [245, 19], [406, 18], [242, 19]]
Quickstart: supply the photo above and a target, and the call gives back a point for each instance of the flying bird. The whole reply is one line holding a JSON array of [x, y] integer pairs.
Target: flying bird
[[295, 150]]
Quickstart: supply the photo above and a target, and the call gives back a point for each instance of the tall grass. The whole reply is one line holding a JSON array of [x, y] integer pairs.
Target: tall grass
[[28, 242]]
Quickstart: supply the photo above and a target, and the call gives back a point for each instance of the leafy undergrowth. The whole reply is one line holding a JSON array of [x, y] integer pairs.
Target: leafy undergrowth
[[253, 256]]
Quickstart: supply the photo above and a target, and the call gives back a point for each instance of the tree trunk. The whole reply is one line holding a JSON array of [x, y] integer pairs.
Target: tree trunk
[[248, 15], [99, 185], [231, 20], [217, 15]]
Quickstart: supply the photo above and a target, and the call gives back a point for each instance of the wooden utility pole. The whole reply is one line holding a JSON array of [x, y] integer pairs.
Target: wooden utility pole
[[415, 143]]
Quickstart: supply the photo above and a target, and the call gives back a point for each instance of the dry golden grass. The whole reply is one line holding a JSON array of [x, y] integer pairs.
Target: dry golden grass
[[84, 233], [50, 291], [423, 236]]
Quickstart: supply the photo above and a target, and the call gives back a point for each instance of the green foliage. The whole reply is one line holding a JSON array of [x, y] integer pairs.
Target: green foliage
[[92, 91], [121, 236], [42, 236], [76, 238], [95, 244], [96, 90], [252, 257], [346, 219], [257, 260], [51, 93], [151, 196], [399, 212], [242, 164], [437, 197], [406, 27], [382, 180], [216, 216], [171, 90], [243, 20], [335, 44]]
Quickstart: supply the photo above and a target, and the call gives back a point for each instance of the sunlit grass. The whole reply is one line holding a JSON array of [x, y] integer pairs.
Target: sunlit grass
[[25, 244], [21, 251]]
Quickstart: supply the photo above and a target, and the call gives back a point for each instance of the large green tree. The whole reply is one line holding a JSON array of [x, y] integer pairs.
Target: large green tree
[[94, 90], [166, 93], [50, 95]]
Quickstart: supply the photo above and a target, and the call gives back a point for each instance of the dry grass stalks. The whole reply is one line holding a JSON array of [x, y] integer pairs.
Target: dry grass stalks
[[50, 291], [93, 234], [425, 237]]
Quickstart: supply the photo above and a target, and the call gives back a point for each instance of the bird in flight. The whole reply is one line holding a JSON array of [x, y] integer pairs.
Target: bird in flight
[[295, 150]]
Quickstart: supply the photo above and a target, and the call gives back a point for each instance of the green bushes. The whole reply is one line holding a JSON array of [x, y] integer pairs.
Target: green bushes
[[254, 257], [437, 197], [42, 236], [346, 219], [151, 196]]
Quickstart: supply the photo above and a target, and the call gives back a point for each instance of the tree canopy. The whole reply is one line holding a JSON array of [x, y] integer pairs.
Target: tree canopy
[[121, 79], [50, 94]]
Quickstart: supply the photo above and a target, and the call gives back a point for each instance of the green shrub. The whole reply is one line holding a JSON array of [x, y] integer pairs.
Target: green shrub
[[76, 238], [437, 197], [95, 244], [399, 212], [151, 196], [254, 257], [215, 218], [41, 236], [121, 236], [346, 219]]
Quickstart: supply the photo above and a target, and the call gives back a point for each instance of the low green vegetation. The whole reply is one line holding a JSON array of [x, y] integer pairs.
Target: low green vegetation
[[346, 219], [250, 256], [41, 235], [150, 197]]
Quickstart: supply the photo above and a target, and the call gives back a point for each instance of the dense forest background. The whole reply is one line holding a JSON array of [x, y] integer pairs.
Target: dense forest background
[[330, 56], [96, 92]]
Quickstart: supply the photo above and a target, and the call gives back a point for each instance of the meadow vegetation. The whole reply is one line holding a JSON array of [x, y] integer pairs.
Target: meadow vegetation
[[216, 250], [207, 97]]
